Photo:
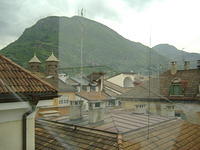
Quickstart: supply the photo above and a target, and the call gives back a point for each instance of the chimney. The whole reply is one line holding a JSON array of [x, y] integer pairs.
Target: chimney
[[198, 64], [88, 88], [101, 82], [186, 65], [96, 88], [96, 111], [168, 110], [75, 109], [173, 67]]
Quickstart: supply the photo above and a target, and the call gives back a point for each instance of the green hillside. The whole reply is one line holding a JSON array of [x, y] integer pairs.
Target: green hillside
[[101, 45], [174, 54]]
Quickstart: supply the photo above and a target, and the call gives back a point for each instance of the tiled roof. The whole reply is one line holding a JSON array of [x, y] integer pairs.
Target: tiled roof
[[191, 79], [60, 85], [171, 134], [93, 96], [144, 90], [78, 80], [15, 79], [117, 121], [58, 136], [115, 87]]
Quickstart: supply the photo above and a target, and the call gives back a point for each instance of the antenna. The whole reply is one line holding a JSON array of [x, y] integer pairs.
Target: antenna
[[82, 30], [149, 68], [183, 59], [82, 12]]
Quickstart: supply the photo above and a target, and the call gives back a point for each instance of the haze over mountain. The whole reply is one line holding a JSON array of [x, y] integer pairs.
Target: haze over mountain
[[174, 54], [101, 45]]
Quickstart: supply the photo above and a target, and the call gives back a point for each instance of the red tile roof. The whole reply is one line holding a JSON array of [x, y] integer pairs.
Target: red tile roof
[[174, 134], [15, 79]]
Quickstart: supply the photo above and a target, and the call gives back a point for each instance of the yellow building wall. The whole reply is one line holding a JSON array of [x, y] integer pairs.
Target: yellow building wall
[[71, 96], [11, 135]]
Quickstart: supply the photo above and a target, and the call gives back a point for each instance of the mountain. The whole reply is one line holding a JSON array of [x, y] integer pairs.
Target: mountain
[[100, 45], [174, 54]]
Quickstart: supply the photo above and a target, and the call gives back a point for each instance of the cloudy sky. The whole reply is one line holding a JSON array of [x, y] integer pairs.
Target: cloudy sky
[[175, 22]]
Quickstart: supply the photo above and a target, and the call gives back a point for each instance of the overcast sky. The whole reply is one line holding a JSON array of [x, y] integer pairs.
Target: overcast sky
[[175, 22]]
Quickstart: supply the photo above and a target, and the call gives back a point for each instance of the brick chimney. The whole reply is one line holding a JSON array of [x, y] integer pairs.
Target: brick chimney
[[186, 65], [173, 67], [96, 111]]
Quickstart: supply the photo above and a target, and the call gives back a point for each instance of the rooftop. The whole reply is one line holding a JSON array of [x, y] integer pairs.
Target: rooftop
[[128, 131], [15, 79], [52, 58], [93, 96], [34, 59], [117, 121]]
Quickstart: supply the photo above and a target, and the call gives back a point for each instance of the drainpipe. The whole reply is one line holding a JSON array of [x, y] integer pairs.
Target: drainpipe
[[24, 126]]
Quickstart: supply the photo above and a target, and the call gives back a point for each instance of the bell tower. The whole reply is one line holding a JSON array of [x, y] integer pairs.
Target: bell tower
[[52, 65], [34, 64]]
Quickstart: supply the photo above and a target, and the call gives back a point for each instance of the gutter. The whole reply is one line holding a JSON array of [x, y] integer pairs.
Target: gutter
[[24, 126]]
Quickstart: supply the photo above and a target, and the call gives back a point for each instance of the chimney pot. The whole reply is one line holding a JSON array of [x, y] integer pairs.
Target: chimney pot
[[173, 67], [96, 112], [186, 65], [75, 110]]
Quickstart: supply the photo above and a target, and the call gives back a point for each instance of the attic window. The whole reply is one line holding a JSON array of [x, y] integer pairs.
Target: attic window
[[97, 104], [176, 89], [170, 107], [140, 106]]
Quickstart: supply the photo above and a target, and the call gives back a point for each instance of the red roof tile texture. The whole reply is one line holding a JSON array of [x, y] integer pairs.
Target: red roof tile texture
[[15, 79], [175, 134]]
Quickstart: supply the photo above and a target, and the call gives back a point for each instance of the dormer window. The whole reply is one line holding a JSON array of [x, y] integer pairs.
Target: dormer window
[[170, 107], [97, 104], [176, 88]]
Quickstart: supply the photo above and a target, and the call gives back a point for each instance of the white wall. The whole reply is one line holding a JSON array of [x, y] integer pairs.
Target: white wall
[[119, 79], [11, 126]]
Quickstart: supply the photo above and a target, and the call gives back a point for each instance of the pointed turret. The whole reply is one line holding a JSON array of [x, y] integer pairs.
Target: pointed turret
[[52, 65], [34, 64], [52, 58]]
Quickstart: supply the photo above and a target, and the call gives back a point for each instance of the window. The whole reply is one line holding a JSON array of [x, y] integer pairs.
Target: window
[[176, 90], [63, 100], [111, 103], [97, 104], [170, 107]]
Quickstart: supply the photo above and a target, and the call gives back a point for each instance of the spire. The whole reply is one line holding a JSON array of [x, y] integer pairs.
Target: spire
[[52, 58], [34, 59]]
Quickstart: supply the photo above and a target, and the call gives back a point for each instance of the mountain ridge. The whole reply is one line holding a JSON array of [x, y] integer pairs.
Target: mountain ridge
[[62, 35]]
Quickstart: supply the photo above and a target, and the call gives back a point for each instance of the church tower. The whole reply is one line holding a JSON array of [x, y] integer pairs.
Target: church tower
[[52, 65], [34, 64]]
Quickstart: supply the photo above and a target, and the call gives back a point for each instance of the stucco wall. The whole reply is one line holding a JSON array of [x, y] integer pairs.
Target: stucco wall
[[11, 126], [11, 135], [119, 79]]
